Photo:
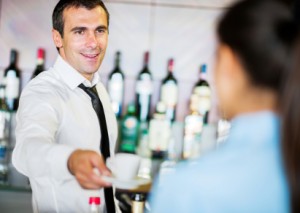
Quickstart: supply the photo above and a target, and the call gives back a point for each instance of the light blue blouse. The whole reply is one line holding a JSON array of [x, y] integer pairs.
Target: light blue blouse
[[245, 175]]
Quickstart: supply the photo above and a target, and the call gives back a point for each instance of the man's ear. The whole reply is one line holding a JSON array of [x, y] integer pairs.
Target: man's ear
[[57, 38]]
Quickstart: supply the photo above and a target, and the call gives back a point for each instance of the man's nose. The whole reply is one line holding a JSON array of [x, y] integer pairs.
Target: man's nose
[[92, 40]]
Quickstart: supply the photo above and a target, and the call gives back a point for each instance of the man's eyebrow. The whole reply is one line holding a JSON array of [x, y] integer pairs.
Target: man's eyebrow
[[78, 29], [101, 27]]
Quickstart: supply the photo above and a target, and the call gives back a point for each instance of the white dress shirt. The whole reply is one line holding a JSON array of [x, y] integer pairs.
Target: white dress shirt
[[56, 117]]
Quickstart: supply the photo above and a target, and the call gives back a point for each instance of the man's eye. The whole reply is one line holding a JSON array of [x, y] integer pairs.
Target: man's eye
[[79, 32], [101, 31]]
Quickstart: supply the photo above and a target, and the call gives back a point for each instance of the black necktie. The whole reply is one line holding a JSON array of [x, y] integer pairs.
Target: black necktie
[[104, 143]]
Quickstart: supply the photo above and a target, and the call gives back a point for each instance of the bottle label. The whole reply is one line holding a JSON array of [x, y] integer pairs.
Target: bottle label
[[204, 98], [115, 88], [144, 85], [138, 206], [169, 93], [159, 134], [12, 83], [129, 134]]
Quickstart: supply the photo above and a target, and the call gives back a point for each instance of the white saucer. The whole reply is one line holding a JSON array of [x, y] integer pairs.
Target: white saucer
[[126, 184]]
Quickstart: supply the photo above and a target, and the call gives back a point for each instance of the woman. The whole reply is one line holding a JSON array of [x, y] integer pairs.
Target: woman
[[247, 174]]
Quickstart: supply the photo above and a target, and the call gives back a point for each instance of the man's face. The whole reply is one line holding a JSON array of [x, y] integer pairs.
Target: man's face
[[85, 39]]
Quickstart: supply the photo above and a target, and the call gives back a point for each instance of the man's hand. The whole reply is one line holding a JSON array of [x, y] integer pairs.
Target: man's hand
[[82, 164]]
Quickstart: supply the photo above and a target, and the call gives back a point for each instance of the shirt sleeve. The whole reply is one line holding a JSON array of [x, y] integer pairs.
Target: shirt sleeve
[[36, 153]]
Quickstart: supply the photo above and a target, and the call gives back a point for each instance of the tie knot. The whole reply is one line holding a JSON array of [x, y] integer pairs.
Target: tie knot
[[91, 91]]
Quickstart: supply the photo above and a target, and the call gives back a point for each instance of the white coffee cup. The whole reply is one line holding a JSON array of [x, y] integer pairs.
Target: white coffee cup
[[124, 166]]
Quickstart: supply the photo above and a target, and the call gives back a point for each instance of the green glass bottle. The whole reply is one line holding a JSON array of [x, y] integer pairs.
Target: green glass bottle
[[129, 130]]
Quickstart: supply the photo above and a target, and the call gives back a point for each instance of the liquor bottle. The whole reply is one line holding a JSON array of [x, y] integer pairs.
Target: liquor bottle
[[4, 119], [94, 205], [159, 132], [169, 92], [129, 130], [138, 203], [116, 87], [144, 90], [3, 161], [40, 62], [143, 140], [12, 82], [4, 114], [202, 89], [193, 125]]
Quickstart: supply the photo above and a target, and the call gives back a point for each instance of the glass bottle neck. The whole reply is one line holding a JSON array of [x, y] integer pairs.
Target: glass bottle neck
[[13, 58], [117, 60]]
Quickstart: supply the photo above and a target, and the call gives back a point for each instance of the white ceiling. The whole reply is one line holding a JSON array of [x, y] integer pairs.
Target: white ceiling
[[184, 3]]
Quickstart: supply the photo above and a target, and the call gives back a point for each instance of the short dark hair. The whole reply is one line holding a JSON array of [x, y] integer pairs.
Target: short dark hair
[[57, 16]]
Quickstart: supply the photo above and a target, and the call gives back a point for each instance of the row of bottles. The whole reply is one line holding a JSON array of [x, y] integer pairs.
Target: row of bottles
[[157, 138], [144, 90], [5, 145], [9, 100], [152, 135], [137, 206], [12, 75]]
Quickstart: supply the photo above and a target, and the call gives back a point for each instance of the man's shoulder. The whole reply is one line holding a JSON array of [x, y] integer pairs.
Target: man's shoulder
[[46, 83]]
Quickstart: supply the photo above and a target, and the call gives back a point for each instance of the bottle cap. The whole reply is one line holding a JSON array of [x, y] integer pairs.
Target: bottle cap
[[95, 200], [203, 68], [146, 57], [40, 53], [138, 197], [171, 65]]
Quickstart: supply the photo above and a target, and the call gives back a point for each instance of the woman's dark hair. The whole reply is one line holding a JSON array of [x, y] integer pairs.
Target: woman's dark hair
[[262, 34], [57, 16], [291, 130]]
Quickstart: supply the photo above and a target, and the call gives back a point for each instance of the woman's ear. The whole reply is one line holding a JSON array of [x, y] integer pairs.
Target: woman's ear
[[228, 61], [231, 66]]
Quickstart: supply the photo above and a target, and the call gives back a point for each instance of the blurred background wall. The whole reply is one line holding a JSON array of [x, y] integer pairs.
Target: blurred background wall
[[182, 29]]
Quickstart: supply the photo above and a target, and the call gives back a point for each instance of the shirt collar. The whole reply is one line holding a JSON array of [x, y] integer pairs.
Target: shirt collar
[[252, 127], [71, 76]]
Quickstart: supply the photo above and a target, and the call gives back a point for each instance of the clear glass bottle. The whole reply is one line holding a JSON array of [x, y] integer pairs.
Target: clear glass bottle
[[159, 132], [193, 125]]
